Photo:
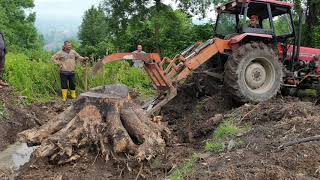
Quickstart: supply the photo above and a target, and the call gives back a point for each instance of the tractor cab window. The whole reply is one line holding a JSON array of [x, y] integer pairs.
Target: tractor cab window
[[256, 19], [282, 25], [226, 24], [266, 24]]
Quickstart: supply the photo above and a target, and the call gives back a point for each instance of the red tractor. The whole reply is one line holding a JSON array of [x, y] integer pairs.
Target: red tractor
[[253, 62]]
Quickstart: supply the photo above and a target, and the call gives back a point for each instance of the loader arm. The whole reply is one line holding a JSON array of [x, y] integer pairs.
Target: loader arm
[[166, 73]]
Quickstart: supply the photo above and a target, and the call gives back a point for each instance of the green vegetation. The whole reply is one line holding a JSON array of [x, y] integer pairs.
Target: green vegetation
[[159, 28], [229, 129], [18, 26], [40, 80], [224, 137], [215, 146], [226, 129], [3, 111], [37, 80], [182, 171], [93, 33]]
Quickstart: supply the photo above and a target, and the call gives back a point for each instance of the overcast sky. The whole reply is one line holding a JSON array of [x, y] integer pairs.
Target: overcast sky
[[56, 9], [74, 9], [67, 14]]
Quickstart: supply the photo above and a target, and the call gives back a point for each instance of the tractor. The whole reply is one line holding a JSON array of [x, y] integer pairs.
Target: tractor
[[254, 63]]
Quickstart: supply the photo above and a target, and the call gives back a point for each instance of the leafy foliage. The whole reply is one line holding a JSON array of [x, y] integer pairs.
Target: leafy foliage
[[43, 84], [94, 33], [18, 26], [158, 28]]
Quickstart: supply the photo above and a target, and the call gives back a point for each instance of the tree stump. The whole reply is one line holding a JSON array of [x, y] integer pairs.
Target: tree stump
[[103, 119]]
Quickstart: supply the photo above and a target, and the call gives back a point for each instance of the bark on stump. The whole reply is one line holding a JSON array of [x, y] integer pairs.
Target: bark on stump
[[103, 119]]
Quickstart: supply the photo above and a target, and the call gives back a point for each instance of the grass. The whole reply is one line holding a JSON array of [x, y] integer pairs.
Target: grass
[[224, 134], [222, 138], [226, 129], [182, 171], [3, 112], [216, 147], [39, 80], [229, 129]]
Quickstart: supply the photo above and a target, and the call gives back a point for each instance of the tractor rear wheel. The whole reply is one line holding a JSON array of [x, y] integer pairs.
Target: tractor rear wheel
[[253, 73]]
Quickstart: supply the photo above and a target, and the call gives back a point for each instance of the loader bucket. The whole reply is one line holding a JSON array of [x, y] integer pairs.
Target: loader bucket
[[166, 73]]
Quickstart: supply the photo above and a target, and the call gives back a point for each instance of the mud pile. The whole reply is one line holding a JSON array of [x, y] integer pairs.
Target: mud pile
[[189, 111]]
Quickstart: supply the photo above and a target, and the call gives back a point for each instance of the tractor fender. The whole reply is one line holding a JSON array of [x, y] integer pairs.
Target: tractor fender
[[254, 36]]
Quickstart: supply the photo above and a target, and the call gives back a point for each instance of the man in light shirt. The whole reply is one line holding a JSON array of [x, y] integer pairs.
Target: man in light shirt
[[138, 63], [67, 59]]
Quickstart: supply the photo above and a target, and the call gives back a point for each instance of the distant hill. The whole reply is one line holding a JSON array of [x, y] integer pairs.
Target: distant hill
[[55, 31]]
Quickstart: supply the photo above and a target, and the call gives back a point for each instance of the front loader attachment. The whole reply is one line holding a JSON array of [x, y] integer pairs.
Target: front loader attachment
[[166, 73]]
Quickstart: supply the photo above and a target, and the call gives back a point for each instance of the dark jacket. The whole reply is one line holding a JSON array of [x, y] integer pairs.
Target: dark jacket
[[2, 43]]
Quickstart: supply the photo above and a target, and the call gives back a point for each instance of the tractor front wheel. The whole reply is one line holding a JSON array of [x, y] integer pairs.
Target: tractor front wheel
[[253, 73]]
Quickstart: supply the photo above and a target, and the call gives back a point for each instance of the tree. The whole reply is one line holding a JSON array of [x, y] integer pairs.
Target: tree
[[158, 27], [313, 22], [198, 6], [93, 33], [18, 26], [93, 27]]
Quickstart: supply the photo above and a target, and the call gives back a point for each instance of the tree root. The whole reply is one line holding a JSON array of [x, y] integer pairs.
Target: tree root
[[299, 141], [105, 120]]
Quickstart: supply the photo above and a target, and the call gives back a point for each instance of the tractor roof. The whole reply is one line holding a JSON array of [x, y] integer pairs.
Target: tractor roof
[[258, 8], [275, 2]]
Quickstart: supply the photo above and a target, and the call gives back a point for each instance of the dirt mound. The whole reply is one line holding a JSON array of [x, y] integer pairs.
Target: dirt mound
[[274, 123], [189, 110]]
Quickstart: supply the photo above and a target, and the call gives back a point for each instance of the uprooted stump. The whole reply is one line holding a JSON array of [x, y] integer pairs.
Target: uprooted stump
[[104, 119]]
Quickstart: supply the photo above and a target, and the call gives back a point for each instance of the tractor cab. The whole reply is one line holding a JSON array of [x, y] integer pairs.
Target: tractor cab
[[274, 20]]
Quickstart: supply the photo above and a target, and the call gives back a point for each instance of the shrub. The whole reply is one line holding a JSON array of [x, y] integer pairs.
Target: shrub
[[39, 80]]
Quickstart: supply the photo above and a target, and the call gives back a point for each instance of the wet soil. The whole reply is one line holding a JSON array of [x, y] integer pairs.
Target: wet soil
[[18, 116], [273, 123]]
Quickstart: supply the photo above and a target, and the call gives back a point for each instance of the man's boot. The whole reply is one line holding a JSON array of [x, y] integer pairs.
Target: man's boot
[[64, 93], [73, 94], [2, 83]]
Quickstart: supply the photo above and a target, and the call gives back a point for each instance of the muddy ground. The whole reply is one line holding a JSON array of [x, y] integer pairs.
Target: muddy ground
[[189, 116], [18, 115]]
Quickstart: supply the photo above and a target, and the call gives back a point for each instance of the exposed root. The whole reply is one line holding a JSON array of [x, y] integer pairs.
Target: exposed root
[[104, 120]]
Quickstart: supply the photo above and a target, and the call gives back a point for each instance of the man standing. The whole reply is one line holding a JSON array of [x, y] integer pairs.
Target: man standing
[[138, 63], [66, 59], [3, 52]]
